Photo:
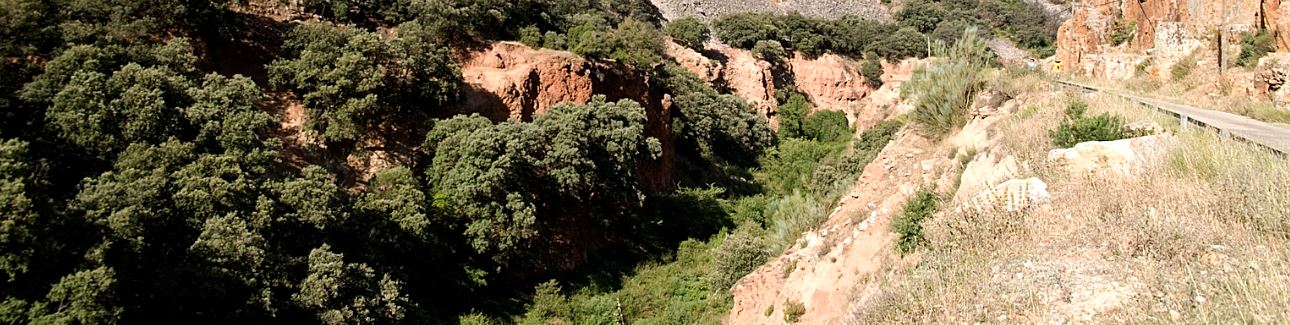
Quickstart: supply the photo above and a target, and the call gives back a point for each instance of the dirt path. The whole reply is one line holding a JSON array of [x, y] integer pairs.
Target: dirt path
[[831, 265]]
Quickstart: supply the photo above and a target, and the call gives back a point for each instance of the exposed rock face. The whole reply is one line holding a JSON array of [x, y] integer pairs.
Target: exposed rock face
[[707, 69], [1172, 29], [711, 10], [832, 82], [512, 81], [750, 79], [984, 171], [1122, 157], [1270, 76]]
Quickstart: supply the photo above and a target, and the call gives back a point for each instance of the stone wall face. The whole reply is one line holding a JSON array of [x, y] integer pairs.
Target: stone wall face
[[1169, 30]]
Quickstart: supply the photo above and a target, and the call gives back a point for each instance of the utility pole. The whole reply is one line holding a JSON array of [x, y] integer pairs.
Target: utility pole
[[1222, 42]]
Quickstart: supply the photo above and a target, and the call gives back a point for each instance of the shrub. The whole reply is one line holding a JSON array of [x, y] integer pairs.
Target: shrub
[[531, 36], [555, 41], [1141, 68], [922, 15], [746, 29], [1123, 32], [1255, 46], [827, 126], [945, 90], [1079, 128], [904, 43], [1182, 69], [549, 305], [689, 32], [771, 51], [793, 311], [909, 224], [739, 254], [871, 69], [793, 214]]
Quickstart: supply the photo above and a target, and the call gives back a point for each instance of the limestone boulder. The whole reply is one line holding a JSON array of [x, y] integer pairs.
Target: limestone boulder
[[1120, 157], [984, 171]]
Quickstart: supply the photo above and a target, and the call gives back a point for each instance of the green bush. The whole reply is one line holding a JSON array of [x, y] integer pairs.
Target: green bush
[[793, 214], [689, 32], [1123, 32], [1079, 128], [771, 51], [531, 36], [909, 223], [827, 126], [922, 15], [946, 89], [871, 69], [793, 311], [739, 254], [1255, 46], [549, 305]]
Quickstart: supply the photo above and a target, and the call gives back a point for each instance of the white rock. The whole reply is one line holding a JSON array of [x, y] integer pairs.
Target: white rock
[[1123, 157]]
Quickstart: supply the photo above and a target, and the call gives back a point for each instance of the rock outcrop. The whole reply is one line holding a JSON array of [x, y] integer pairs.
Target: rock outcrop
[[1120, 157], [749, 78], [1270, 76], [1170, 29], [832, 82], [510, 80], [707, 69]]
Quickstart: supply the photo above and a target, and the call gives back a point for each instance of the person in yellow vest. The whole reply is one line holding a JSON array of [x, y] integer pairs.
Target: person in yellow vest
[[1057, 67]]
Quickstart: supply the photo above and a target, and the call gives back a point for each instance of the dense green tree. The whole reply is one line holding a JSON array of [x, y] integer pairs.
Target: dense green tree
[[521, 186], [396, 194], [872, 70], [853, 35], [637, 43], [720, 124], [83, 297], [339, 292], [224, 113], [18, 216], [922, 15], [904, 43], [744, 30], [353, 83], [689, 32]]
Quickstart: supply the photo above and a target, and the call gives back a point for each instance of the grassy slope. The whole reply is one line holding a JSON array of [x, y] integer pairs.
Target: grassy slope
[[1201, 238]]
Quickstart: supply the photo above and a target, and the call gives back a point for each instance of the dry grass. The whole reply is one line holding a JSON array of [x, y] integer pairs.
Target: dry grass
[[1199, 238], [1202, 90]]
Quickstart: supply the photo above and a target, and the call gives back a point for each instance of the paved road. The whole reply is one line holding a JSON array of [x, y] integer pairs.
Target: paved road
[[1245, 128]]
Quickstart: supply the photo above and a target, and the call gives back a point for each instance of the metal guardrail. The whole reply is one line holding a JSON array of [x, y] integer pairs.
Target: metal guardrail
[[1260, 134]]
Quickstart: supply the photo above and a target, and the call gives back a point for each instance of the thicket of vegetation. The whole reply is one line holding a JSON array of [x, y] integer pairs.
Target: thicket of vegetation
[[1078, 128], [915, 23], [1254, 46]]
